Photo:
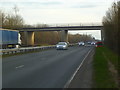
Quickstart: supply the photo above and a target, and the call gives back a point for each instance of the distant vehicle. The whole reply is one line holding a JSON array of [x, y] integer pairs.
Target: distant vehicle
[[92, 43], [88, 42], [99, 44], [9, 38], [62, 45], [81, 43]]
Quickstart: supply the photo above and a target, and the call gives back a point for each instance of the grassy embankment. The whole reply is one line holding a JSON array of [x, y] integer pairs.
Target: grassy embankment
[[105, 66]]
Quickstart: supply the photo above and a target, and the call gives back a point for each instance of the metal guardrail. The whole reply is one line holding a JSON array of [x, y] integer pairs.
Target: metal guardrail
[[23, 50], [28, 49]]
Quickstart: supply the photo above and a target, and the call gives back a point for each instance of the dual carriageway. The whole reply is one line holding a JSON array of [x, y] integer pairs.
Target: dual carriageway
[[46, 69]]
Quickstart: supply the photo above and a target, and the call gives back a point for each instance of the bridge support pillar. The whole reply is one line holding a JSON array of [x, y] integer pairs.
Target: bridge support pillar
[[64, 36], [29, 38]]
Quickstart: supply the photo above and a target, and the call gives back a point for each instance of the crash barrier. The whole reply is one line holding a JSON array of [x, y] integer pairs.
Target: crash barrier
[[28, 49]]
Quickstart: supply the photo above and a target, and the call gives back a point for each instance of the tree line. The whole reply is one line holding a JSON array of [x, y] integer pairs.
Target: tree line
[[111, 27], [15, 21]]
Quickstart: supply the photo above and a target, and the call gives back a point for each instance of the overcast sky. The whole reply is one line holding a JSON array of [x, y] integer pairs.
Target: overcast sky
[[59, 11]]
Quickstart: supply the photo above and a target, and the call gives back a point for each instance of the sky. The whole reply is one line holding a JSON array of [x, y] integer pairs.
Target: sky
[[58, 12]]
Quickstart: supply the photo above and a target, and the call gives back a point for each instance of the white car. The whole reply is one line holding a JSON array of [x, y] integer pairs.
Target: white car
[[81, 43], [62, 45], [92, 43]]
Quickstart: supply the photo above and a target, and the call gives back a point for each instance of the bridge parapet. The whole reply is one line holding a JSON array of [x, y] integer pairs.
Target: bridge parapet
[[75, 24]]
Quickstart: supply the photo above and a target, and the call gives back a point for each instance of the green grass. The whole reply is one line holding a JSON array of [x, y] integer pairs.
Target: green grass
[[113, 57], [102, 76]]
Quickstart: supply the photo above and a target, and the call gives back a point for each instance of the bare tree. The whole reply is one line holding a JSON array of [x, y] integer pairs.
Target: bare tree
[[111, 26], [16, 10], [11, 20], [2, 18]]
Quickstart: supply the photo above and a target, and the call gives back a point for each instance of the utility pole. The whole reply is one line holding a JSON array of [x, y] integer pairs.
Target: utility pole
[[86, 37]]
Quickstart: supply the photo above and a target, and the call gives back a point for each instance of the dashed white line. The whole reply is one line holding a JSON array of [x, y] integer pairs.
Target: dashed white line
[[19, 66]]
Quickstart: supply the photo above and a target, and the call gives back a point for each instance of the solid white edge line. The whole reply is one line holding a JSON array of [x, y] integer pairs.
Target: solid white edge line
[[69, 81]]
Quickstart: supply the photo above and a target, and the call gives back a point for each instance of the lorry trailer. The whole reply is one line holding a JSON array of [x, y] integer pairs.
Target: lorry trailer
[[8, 38]]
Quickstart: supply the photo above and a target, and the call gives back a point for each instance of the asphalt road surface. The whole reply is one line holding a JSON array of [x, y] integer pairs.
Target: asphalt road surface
[[45, 69]]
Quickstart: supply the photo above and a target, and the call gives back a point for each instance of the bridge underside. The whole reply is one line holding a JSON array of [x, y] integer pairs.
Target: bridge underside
[[64, 36], [28, 39]]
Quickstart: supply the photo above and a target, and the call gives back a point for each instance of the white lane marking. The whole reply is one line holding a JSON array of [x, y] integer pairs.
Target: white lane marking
[[69, 81], [19, 66]]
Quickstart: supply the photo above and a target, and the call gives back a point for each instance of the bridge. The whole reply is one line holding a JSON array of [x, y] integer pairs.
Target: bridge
[[29, 32], [60, 28]]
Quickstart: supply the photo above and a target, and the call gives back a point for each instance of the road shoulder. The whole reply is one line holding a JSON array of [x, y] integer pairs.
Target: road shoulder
[[83, 78]]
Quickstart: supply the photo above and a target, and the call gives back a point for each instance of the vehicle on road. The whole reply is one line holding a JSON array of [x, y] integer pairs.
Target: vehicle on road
[[89, 42], [92, 43], [81, 43], [9, 38], [99, 44], [62, 45]]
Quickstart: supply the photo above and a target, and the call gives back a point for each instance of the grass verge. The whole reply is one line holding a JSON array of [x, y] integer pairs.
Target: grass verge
[[102, 75]]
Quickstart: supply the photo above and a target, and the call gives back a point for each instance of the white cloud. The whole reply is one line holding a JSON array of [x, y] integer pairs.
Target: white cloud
[[59, 11], [59, 16]]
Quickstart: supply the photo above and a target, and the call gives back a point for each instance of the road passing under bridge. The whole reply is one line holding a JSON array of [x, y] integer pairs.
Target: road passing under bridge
[[29, 32], [46, 69]]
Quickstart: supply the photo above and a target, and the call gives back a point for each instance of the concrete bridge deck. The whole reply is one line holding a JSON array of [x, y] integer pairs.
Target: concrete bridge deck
[[60, 28]]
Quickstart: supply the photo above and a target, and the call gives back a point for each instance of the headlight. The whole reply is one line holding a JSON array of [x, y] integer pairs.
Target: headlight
[[57, 46], [64, 46]]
